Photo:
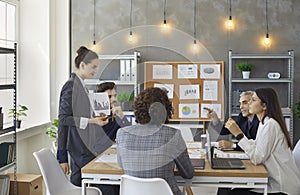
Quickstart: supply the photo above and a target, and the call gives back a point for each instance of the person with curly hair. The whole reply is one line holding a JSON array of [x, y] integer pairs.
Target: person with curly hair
[[151, 149]]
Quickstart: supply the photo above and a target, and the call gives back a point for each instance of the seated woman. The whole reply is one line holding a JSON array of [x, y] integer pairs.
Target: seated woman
[[150, 149], [272, 146]]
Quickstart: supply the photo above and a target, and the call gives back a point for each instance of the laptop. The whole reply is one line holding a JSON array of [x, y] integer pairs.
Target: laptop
[[221, 163]]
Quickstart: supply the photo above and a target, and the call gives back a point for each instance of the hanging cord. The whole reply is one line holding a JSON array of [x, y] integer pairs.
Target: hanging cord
[[94, 42], [229, 9], [165, 4], [130, 17], [194, 21], [267, 17]]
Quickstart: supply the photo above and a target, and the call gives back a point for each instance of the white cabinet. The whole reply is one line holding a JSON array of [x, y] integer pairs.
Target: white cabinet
[[264, 64]]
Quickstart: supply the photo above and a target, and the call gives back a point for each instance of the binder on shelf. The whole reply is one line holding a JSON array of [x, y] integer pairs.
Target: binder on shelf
[[127, 70], [4, 184], [122, 70], [133, 70], [288, 123], [7, 153]]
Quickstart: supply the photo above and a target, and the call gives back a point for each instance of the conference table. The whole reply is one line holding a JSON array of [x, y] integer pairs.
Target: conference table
[[253, 176]]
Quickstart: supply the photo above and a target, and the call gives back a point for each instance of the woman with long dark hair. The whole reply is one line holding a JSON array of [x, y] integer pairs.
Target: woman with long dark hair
[[272, 146]]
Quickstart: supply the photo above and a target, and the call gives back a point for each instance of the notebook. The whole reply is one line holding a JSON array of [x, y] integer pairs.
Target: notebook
[[221, 163]]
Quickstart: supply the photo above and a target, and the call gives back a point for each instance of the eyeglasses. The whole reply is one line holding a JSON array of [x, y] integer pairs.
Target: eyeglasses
[[115, 95]]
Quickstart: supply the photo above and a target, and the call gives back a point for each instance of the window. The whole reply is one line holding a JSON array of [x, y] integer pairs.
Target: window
[[8, 36]]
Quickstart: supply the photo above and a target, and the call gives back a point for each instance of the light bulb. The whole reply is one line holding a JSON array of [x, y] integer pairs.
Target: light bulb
[[230, 22], [130, 38], [267, 39], [195, 46], [164, 25], [93, 48]]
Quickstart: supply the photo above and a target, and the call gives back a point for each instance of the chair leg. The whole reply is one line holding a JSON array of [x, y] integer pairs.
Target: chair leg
[[189, 190]]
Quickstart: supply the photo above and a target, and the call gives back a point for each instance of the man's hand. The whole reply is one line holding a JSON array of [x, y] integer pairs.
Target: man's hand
[[65, 167], [224, 144], [117, 110], [212, 115], [233, 127]]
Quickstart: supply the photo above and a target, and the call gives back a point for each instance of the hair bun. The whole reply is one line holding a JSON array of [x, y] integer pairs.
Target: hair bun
[[82, 50]]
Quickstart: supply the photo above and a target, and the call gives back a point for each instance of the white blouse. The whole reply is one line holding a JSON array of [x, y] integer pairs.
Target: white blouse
[[271, 149]]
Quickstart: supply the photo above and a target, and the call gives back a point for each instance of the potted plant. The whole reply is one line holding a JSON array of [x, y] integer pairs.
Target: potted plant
[[52, 132], [245, 68], [21, 111], [126, 100]]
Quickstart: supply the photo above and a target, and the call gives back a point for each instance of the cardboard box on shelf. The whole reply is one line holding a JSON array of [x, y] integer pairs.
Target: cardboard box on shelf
[[27, 184]]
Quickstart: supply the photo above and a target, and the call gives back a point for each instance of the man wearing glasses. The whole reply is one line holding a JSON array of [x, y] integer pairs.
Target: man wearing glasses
[[247, 122]]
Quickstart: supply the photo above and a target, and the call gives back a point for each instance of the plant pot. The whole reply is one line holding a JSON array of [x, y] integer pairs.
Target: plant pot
[[246, 74], [18, 124]]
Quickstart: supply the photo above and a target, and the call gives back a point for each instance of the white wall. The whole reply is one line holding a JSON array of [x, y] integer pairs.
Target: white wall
[[43, 67], [59, 36], [34, 60]]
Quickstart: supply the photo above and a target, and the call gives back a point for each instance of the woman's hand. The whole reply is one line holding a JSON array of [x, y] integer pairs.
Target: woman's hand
[[65, 167], [233, 127], [224, 144], [99, 120]]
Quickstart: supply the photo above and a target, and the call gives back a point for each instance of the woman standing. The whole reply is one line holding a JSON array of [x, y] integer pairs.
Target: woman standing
[[272, 146], [78, 129]]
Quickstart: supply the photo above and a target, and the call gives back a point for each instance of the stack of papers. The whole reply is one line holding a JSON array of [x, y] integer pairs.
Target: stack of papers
[[108, 158], [221, 154], [193, 145], [196, 153]]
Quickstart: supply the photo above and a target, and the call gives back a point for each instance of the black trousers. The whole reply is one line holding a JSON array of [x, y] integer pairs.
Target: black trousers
[[242, 191]]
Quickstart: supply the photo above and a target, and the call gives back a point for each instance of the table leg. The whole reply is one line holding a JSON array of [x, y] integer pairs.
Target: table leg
[[83, 188], [266, 190], [189, 190]]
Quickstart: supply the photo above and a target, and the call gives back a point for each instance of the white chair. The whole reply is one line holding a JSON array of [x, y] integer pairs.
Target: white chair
[[55, 180], [296, 154], [146, 186]]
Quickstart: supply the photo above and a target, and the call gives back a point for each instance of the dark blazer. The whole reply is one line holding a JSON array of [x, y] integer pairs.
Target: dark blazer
[[242, 122], [81, 144]]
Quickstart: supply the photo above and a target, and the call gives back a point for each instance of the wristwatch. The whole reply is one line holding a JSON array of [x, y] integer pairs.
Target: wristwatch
[[239, 136]]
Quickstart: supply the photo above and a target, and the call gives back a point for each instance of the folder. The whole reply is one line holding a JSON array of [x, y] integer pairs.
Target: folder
[[133, 70], [6, 153], [287, 123], [122, 70], [127, 70]]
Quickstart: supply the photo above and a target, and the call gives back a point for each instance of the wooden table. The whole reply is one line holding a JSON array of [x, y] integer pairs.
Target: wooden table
[[251, 177]]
